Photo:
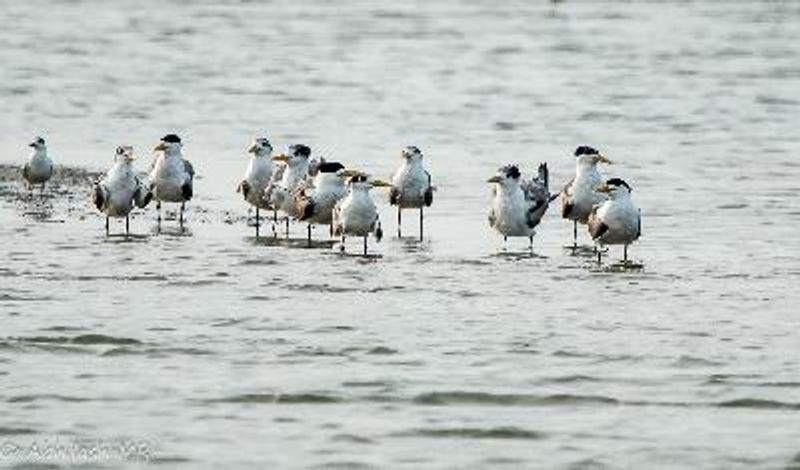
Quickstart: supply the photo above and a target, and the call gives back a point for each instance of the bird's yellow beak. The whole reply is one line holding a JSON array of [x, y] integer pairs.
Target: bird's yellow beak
[[281, 158], [160, 147], [494, 179], [381, 184], [603, 188], [252, 148], [603, 159], [132, 157]]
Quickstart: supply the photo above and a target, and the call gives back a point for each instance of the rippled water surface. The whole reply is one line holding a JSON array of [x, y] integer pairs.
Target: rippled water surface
[[217, 350]]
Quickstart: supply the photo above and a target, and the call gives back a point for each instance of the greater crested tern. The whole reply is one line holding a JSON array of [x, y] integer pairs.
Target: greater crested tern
[[315, 198], [616, 221], [518, 206], [578, 196], [411, 187], [120, 190], [39, 168], [280, 193], [171, 176], [257, 177], [356, 214]]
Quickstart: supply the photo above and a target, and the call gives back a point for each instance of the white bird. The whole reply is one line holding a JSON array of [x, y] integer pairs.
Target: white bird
[[356, 214], [315, 198], [39, 167], [616, 221], [257, 177], [411, 187], [578, 196], [281, 193], [171, 177], [117, 193], [518, 206]]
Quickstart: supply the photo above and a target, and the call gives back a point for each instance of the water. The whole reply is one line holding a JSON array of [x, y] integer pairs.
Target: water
[[213, 350]]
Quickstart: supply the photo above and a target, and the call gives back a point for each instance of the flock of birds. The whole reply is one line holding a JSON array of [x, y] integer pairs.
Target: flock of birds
[[320, 192]]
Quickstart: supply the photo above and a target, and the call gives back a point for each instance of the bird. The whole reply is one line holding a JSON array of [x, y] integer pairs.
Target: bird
[[411, 187], [171, 176], [39, 168], [257, 177], [280, 193], [316, 197], [518, 206], [356, 213], [578, 195], [120, 190], [616, 221]]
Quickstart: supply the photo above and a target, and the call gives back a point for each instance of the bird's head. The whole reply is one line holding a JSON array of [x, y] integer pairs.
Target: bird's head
[[260, 146], [38, 143], [331, 168], [170, 143], [297, 154], [357, 179], [615, 188], [586, 155], [124, 154], [412, 154], [506, 175]]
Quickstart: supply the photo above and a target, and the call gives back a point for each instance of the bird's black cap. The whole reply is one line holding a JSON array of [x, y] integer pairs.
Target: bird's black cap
[[302, 150], [618, 182], [512, 171], [172, 138], [330, 167], [585, 150]]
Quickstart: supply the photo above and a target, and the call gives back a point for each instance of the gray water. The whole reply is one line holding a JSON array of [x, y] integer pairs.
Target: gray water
[[215, 350]]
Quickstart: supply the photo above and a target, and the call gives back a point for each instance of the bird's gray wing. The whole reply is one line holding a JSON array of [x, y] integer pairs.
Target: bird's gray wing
[[566, 199], [99, 196], [428, 196]]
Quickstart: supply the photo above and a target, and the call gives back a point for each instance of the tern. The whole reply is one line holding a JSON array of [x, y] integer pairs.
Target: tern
[[411, 187], [257, 177], [315, 198], [616, 221], [172, 176], [280, 193], [120, 190], [39, 168], [578, 196], [356, 214], [518, 206]]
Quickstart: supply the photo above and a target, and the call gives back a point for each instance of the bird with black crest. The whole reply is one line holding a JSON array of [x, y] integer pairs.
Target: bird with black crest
[[280, 193], [121, 190], [616, 221], [171, 176], [356, 213], [578, 196], [316, 197], [517, 205], [411, 188]]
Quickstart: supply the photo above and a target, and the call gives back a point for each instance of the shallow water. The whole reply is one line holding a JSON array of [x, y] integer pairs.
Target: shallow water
[[215, 350]]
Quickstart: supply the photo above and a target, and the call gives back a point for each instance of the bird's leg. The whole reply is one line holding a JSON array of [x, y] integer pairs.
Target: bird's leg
[[399, 222], [127, 226], [625, 254], [41, 191], [183, 205], [505, 242], [599, 255], [309, 234], [574, 234], [107, 230], [420, 223], [287, 226], [258, 222], [341, 247], [530, 238], [158, 209], [365, 245], [331, 229], [30, 192], [275, 223]]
